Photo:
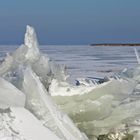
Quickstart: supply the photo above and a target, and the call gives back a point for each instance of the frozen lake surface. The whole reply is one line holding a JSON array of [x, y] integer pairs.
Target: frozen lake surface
[[87, 61]]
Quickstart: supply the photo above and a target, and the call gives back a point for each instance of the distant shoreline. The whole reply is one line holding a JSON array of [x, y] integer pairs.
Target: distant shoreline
[[116, 44]]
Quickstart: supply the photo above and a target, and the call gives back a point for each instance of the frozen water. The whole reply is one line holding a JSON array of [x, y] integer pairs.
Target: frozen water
[[38, 91], [87, 61], [17, 123], [34, 71], [42, 106]]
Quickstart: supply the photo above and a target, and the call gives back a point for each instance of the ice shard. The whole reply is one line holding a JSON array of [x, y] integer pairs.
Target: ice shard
[[137, 55], [31, 42], [42, 106]]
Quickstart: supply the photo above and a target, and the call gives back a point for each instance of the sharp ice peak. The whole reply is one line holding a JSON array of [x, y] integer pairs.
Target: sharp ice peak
[[30, 39], [31, 42]]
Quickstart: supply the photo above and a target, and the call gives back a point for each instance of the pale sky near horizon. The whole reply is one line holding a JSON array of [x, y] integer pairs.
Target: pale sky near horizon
[[71, 21]]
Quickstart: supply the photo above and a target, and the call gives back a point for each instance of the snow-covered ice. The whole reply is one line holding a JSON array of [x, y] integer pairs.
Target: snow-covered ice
[[10, 95]]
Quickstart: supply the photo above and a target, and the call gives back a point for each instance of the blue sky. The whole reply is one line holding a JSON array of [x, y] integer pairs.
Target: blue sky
[[71, 21]]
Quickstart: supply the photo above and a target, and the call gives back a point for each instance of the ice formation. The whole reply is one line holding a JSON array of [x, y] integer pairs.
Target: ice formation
[[29, 73], [37, 101]]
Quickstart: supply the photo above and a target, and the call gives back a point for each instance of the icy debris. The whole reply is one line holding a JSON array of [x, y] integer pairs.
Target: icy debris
[[59, 72], [86, 82], [66, 89], [92, 107], [34, 82], [116, 136], [41, 105], [87, 105], [29, 54], [120, 89], [107, 109]]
